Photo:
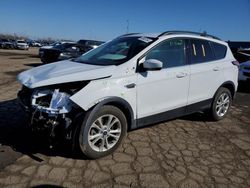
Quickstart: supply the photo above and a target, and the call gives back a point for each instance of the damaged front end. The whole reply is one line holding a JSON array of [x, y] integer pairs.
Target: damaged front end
[[50, 109]]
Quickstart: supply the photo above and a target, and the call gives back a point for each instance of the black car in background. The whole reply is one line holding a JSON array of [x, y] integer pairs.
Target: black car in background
[[6, 44], [62, 52], [50, 45]]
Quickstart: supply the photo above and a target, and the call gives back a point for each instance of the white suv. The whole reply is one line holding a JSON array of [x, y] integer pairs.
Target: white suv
[[132, 81], [21, 44]]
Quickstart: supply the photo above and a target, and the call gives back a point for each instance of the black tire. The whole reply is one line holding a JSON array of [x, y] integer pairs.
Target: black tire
[[214, 110], [84, 131]]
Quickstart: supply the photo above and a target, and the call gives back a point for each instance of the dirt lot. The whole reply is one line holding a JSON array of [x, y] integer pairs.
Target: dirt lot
[[186, 152]]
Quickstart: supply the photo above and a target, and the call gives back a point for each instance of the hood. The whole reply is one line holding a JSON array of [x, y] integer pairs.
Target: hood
[[63, 72]]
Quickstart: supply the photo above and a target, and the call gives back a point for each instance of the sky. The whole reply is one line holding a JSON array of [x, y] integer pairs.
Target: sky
[[107, 19]]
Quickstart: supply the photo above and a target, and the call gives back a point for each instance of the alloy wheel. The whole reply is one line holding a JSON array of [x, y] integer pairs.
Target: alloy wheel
[[222, 104], [104, 133]]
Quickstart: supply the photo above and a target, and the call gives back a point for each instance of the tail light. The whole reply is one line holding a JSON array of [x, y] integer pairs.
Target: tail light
[[236, 63]]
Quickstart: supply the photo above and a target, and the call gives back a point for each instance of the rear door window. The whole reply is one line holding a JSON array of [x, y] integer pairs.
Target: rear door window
[[201, 51]]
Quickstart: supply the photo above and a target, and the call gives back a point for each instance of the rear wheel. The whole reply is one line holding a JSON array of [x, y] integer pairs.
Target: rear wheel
[[102, 133], [221, 104]]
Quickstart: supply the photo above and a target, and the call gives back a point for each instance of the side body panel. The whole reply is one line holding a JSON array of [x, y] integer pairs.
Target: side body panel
[[98, 90], [161, 91], [205, 79]]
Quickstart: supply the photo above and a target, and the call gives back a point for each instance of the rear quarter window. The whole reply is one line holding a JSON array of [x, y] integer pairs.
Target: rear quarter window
[[201, 51], [220, 50]]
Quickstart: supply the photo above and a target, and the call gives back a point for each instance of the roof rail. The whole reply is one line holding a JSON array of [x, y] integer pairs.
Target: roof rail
[[128, 34], [203, 34]]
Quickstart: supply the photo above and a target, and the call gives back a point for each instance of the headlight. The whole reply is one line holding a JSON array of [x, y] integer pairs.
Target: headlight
[[60, 100], [51, 101]]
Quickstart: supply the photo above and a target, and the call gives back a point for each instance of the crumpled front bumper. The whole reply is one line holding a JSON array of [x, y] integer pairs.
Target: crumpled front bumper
[[47, 107], [57, 102]]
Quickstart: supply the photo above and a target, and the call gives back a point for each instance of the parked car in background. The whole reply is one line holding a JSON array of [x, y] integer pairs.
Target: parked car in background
[[132, 81], [244, 73], [21, 44], [41, 49], [36, 44], [61, 52], [241, 50], [90, 44], [33, 43], [242, 54], [6, 44]]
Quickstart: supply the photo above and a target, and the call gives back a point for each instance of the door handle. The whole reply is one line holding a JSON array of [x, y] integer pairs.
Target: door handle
[[181, 75], [129, 86], [216, 68]]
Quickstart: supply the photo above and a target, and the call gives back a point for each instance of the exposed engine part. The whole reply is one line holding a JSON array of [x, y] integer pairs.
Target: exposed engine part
[[68, 122], [50, 111], [53, 126]]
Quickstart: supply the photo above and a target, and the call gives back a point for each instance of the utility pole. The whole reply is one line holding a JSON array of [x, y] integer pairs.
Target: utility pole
[[127, 26]]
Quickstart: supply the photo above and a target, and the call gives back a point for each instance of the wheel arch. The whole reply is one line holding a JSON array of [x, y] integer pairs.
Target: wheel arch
[[230, 86], [118, 102], [123, 105]]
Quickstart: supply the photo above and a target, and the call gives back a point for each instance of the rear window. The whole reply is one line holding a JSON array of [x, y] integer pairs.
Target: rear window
[[220, 50], [201, 51]]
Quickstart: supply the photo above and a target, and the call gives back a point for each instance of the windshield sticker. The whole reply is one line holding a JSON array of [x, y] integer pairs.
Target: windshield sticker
[[145, 39]]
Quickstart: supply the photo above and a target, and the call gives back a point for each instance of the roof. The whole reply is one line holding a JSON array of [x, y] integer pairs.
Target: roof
[[157, 35]]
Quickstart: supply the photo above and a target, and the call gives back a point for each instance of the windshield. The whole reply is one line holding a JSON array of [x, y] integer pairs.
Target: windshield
[[116, 52], [20, 41]]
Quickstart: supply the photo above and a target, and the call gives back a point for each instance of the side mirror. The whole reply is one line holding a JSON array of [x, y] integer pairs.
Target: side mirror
[[152, 64]]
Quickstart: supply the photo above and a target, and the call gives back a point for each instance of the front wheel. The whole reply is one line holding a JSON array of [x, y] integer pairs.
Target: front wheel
[[101, 133], [221, 104]]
